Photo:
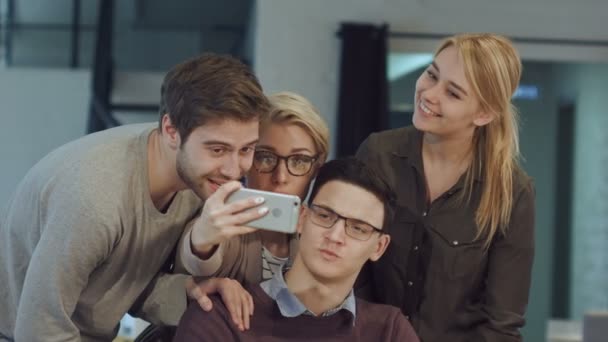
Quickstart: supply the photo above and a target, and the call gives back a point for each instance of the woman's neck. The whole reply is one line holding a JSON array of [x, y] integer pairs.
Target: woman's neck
[[444, 161], [447, 150]]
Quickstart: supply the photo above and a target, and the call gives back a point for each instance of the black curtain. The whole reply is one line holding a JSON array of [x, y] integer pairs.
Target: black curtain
[[363, 93]]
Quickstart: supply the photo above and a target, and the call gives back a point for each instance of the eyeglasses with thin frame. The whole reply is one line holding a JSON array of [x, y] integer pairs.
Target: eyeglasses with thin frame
[[297, 164], [354, 228]]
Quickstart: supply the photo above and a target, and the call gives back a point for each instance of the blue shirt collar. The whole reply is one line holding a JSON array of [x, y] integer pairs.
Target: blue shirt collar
[[290, 306]]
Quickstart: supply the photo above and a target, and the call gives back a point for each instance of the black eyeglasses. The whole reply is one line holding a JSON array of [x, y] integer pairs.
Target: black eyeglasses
[[297, 164], [354, 228]]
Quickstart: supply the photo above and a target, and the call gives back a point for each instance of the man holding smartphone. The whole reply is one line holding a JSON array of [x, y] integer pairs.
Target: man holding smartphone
[[294, 143], [87, 233], [340, 230]]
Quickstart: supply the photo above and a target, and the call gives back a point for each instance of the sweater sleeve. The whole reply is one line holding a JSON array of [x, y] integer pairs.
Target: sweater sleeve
[[402, 330], [164, 300], [188, 262], [76, 237]]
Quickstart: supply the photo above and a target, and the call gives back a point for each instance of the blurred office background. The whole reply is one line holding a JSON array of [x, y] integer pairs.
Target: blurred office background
[[69, 67]]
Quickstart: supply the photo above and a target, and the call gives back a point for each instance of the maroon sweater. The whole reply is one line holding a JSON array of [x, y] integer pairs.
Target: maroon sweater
[[374, 322]]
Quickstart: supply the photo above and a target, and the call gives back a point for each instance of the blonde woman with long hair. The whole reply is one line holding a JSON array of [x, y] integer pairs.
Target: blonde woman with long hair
[[463, 240], [294, 143]]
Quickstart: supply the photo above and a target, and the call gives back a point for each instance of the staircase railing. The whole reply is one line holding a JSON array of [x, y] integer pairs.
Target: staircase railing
[[100, 112]]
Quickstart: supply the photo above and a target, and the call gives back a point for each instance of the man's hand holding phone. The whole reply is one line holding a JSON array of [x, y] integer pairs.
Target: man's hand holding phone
[[219, 221]]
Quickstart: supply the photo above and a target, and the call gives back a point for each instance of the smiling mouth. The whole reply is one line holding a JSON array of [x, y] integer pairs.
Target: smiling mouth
[[427, 110], [214, 185]]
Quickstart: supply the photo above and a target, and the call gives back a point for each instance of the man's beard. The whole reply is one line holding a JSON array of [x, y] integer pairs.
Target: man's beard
[[184, 169]]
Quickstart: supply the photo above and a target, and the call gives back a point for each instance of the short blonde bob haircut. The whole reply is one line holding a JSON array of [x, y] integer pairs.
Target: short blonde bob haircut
[[291, 108]]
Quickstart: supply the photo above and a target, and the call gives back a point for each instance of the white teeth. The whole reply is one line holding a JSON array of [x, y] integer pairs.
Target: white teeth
[[427, 110]]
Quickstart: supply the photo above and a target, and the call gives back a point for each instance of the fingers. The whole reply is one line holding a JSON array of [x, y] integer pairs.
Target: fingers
[[205, 303], [223, 191], [191, 288], [238, 302], [240, 218], [213, 225], [230, 231], [236, 299], [247, 308], [238, 230], [232, 300], [214, 232], [250, 303], [237, 206], [198, 289], [244, 308]]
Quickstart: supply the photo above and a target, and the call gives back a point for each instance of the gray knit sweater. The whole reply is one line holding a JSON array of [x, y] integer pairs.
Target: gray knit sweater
[[81, 240]]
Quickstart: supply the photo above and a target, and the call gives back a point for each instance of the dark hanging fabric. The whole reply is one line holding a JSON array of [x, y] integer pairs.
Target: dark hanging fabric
[[363, 92]]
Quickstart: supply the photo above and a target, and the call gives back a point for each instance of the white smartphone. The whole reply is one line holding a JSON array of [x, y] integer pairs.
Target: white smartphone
[[283, 210]]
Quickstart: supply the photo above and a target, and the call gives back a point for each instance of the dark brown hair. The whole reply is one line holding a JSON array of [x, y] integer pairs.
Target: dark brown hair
[[207, 88], [353, 171]]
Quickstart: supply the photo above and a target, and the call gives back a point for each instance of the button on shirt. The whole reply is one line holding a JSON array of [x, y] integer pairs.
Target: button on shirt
[[290, 306], [459, 290]]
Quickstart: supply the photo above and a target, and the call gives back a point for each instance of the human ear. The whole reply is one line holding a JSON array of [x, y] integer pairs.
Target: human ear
[[380, 247], [170, 132], [303, 213], [483, 118]]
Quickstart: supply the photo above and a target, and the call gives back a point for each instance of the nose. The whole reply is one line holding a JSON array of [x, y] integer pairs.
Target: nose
[[280, 175], [431, 93], [232, 167], [245, 163], [337, 232]]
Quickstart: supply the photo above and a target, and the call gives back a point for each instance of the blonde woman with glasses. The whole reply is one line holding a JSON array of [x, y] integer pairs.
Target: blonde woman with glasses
[[460, 261], [294, 142]]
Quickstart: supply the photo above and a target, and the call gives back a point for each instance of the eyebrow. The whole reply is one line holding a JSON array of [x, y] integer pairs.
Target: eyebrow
[[295, 150], [350, 218], [452, 83], [223, 143]]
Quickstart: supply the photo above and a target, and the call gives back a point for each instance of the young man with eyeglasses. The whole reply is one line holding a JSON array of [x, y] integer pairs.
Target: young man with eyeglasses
[[294, 141], [340, 230]]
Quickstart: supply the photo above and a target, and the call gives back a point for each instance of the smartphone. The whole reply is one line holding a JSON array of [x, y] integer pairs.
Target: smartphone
[[283, 210]]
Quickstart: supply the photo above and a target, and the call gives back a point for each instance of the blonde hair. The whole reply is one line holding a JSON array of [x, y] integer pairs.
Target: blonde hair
[[291, 108], [493, 69]]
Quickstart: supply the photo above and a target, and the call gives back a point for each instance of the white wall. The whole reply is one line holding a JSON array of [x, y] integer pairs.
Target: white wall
[[297, 48], [40, 110]]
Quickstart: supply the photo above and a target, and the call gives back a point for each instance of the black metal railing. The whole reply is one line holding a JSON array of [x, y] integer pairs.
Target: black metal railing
[[11, 26], [100, 112], [7, 32]]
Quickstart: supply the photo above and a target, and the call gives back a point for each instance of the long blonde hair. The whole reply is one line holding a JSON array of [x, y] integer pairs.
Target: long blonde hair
[[493, 69]]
